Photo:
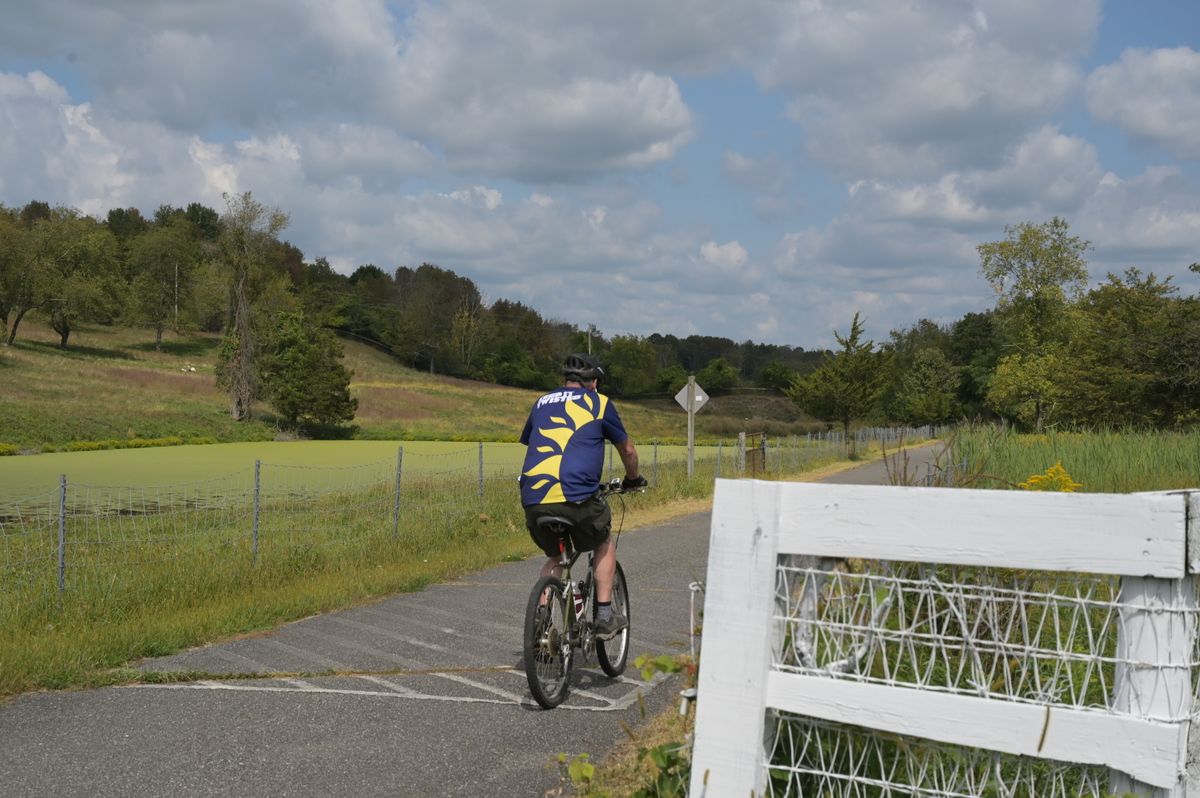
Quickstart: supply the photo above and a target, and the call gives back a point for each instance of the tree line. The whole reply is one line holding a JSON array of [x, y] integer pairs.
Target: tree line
[[231, 272], [1052, 351]]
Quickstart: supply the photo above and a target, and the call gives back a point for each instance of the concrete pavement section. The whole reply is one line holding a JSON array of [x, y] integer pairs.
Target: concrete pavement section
[[422, 694]]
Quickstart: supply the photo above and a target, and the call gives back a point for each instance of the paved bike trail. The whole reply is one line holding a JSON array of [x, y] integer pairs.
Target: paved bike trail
[[421, 694]]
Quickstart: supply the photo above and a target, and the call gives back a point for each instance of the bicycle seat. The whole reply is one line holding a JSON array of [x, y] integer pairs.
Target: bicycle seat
[[553, 521]]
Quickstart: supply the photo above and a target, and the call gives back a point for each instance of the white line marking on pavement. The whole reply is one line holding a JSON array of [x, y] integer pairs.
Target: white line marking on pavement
[[373, 629], [399, 691], [303, 685], [487, 688], [404, 691]]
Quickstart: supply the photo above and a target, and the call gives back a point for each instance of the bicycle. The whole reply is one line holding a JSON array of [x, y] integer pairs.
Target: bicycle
[[559, 616]]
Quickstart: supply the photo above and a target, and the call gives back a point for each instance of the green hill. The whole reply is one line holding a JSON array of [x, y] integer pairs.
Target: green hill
[[111, 385]]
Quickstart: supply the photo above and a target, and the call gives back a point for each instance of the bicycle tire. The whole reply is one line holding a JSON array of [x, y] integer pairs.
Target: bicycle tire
[[613, 654], [547, 650]]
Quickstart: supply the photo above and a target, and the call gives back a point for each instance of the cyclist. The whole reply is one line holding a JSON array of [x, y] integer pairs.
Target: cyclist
[[564, 461]]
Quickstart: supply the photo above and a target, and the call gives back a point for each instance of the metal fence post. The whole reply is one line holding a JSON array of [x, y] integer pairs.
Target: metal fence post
[[257, 503], [62, 532], [481, 469], [654, 471], [741, 453], [396, 500], [718, 459]]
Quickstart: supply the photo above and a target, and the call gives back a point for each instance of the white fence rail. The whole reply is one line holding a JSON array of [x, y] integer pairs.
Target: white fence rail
[[864, 640]]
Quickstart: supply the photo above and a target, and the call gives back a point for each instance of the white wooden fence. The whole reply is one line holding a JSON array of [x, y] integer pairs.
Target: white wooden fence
[[863, 640]]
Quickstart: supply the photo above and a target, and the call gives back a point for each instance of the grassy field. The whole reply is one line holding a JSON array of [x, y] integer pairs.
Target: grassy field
[[111, 384]]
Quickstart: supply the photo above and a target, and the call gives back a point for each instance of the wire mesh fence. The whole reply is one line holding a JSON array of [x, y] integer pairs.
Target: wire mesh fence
[[87, 542], [1041, 638], [816, 758]]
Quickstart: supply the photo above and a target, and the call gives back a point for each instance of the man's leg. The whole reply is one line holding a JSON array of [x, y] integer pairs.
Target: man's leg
[[604, 564], [609, 620]]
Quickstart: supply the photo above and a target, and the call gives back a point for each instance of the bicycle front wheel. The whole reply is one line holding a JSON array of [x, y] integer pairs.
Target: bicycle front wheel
[[547, 645], [614, 653]]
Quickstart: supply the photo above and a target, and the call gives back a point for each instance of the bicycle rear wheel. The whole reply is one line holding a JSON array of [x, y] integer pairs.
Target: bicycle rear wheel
[[614, 653], [547, 646]]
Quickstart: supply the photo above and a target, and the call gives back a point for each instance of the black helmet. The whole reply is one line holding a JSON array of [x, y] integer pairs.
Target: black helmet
[[582, 368]]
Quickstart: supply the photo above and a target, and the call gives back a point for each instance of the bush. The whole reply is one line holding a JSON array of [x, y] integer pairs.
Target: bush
[[7, 449], [128, 443]]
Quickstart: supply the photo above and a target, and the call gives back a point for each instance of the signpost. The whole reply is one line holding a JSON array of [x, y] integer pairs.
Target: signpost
[[691, 398]]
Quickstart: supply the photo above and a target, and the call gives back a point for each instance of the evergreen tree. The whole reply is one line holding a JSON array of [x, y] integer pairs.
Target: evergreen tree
[[848, 384], [303, 375]]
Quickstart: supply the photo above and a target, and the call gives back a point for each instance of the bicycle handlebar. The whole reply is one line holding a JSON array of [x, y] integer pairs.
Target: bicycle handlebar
[[616, 485]]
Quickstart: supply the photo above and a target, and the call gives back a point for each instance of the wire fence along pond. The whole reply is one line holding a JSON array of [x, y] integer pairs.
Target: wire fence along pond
[[97, 543]]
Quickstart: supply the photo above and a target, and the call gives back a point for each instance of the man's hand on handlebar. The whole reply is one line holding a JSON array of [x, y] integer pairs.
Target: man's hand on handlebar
[[637, 483]]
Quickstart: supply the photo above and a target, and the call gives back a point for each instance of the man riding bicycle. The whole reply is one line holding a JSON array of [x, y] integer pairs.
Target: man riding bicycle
[[565, 435]]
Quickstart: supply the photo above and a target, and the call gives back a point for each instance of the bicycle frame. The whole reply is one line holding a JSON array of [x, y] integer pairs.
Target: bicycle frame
[[579, 626]]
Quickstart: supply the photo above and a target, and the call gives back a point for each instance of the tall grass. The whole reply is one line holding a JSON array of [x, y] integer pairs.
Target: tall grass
[[1105, 462]]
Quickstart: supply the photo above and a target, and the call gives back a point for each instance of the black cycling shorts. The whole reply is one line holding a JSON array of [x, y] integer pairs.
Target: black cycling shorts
[[591, 518]]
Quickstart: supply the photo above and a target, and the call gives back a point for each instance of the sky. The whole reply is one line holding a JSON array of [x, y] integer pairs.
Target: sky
[[759, 170]]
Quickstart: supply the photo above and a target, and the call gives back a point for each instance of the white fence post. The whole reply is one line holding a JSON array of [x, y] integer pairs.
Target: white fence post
[[739, 599], [1153, 677]]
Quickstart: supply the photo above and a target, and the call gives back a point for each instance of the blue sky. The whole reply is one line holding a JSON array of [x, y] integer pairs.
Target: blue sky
[[760, 170]]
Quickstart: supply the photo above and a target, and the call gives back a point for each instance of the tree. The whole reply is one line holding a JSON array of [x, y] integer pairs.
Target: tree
[[162, 261], [75, 261], [248, 233], [126, 224], [632, 365], [14, 240], [303, 375], [777, 377], [718, 376], [24, 284], [1034, 272], [928, 389], [974, 349], [429, 297], [1024, 388], [1115, 368], [849, 383]]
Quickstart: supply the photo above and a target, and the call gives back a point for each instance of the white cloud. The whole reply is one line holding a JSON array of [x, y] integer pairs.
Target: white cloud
[[1153, 95], [910, 89], [1151, 221], [1045, 174], [726, 256]]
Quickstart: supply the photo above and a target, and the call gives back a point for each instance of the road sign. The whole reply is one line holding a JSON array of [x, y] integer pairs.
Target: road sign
[[697, 403], [691, 398]]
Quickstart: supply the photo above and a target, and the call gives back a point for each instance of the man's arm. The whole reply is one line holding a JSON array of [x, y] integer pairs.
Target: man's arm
[[629, 458]]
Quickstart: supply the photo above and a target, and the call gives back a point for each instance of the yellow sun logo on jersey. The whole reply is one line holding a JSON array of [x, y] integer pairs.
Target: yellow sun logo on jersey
[[579, 412]]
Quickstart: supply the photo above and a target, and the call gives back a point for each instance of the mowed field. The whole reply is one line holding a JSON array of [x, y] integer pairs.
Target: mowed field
[[34, 475]]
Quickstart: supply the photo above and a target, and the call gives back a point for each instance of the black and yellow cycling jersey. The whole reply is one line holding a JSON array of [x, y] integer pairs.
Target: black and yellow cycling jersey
[[565, 434]]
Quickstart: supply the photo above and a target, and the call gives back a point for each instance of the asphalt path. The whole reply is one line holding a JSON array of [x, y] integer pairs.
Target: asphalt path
[[421, 694]]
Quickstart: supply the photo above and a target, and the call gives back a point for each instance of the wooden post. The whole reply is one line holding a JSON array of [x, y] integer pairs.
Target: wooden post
[[396, 500], [691, 411]]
